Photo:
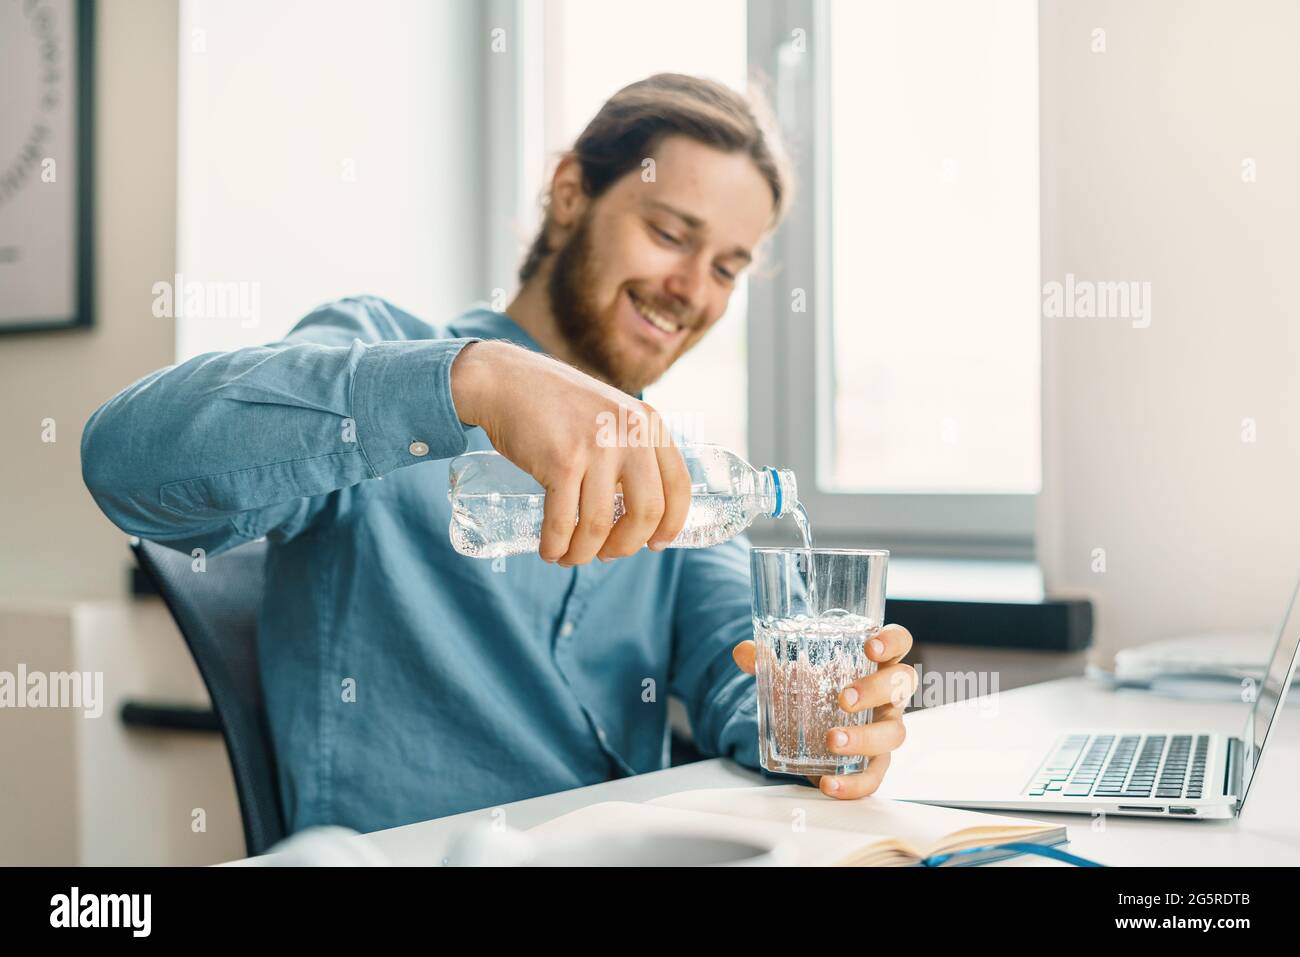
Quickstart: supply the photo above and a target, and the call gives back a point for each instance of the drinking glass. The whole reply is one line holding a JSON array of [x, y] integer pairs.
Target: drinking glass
[[814, 611]]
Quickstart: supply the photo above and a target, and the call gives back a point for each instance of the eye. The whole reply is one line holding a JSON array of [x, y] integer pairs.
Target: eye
[[665, 236], [725, 273]]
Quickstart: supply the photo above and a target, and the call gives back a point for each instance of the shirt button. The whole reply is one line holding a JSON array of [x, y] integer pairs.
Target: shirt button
[[419, 448], [566, 629]]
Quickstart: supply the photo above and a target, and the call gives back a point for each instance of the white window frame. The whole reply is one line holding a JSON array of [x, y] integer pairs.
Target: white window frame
[[795, 368], [514, 101]]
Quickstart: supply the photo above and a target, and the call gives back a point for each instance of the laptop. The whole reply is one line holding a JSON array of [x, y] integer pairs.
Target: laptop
[[1143, 772]]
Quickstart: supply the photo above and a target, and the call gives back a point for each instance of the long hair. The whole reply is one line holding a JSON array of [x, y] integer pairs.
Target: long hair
[[633, 122]]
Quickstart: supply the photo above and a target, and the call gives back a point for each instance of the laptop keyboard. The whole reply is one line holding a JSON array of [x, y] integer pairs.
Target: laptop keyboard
[[1125, 766]]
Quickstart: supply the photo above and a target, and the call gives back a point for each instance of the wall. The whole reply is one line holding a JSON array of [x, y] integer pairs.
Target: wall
[[1142, 152], [329, 148], [262, 199], [260, 180], [82, 788], [54, 542]]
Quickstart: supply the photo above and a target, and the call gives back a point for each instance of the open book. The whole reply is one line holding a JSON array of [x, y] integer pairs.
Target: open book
[[810, 828]]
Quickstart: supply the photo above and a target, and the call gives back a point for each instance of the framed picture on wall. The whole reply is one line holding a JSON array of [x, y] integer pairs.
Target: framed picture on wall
[[46, 164]]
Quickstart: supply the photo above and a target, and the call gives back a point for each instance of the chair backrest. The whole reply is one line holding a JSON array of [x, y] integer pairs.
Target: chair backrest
[[217, 610]]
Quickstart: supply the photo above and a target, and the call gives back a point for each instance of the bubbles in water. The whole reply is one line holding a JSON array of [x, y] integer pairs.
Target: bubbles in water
[[803, 663]]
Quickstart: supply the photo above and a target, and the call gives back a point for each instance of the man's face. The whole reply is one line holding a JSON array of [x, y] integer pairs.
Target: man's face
[[650, 266]]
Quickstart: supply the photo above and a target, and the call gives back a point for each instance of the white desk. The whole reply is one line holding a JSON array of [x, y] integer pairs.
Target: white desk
[[1268, 833]]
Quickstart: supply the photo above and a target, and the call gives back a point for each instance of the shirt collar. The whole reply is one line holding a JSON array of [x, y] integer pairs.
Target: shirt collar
[[484, 323]]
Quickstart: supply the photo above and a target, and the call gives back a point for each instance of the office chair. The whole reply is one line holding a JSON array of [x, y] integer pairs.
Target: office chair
[[216, 611]]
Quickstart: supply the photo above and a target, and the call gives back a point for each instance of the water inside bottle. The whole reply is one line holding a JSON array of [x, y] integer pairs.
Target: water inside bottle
[[498, 525]]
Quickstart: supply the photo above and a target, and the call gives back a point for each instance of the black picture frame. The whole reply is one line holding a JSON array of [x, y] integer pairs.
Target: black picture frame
[[84, 85]]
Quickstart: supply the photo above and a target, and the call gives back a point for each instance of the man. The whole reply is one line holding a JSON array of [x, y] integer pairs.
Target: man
[[404, 681]]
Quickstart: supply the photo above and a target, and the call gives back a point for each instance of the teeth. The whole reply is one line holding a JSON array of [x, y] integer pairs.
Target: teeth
[[655, 318], [659, 322]]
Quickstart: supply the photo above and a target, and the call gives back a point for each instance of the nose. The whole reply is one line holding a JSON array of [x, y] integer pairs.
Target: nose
[[687, 283]]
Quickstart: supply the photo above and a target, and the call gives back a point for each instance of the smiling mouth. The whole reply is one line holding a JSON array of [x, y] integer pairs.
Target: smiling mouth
[[653, 316]]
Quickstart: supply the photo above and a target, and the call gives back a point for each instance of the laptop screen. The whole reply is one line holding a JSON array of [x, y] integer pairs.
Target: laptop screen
[[1277, 680]]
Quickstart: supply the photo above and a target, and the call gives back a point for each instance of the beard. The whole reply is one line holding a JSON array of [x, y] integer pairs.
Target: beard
[[590, 333]]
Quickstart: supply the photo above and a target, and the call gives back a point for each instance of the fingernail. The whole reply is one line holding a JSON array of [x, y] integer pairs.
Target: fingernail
[[877, 646], [839, 739], [657, 546], [833, 786], [850, 696]]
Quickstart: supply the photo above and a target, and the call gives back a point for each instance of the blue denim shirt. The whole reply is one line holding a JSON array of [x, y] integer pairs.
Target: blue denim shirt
[[404, 681]]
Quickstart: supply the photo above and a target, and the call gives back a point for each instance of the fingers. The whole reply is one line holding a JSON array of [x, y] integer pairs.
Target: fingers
[[744, 654], [877, 741], [559, 515], [888, 712], [656, 490], [643, 506], [891, 644], [676, 485], [891, 684], [847, 787], [595, 516], [878, 737]]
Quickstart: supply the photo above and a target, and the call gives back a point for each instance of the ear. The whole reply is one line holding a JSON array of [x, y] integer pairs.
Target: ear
[[568, 202]]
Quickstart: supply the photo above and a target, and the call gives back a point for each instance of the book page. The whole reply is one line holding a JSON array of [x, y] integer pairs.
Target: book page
[[923, 826]]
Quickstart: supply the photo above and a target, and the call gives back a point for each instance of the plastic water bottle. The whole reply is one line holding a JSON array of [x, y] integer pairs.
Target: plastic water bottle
[[497, 508]]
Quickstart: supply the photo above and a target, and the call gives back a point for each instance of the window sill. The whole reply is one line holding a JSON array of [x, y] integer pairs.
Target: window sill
[[988, 604], [965, 580]]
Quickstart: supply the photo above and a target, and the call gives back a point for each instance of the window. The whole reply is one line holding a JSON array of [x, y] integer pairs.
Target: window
[[901, 336], [934, 247], [588, 56]]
